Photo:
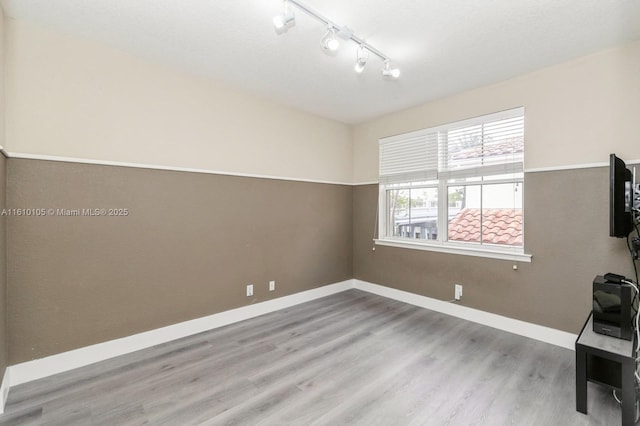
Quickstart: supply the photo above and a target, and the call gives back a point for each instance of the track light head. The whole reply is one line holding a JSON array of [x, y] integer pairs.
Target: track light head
[[329, 42], [282, 23], [390, 73], [361, 59]]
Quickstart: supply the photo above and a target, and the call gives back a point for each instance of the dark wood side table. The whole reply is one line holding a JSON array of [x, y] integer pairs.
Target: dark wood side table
[[607, 361]]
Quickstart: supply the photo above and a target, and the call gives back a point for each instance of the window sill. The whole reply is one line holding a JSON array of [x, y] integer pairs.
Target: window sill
[[454, 249]]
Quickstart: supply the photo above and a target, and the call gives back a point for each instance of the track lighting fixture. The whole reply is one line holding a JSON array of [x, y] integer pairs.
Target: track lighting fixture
[[388, 72], [283, 22], [329, 41], [361, 59]]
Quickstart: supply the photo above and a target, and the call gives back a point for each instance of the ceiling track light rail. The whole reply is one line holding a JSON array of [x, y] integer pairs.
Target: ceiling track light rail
[[329, 42]]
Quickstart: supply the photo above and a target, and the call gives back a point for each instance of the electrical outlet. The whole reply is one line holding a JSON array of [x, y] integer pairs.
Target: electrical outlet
[[458, 291], [272, 285], [250, 290]]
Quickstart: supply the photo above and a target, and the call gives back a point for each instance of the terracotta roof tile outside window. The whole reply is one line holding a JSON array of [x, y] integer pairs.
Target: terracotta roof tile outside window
[[499, 226]]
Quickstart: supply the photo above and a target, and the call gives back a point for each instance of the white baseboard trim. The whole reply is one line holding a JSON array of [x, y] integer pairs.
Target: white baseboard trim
[[65, 361], [533, 331], [4, 390]]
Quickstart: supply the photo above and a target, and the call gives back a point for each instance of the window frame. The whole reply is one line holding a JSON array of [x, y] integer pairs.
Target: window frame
[[443, 244]]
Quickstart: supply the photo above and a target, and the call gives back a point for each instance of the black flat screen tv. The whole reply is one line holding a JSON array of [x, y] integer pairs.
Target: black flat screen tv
[[620, 198]]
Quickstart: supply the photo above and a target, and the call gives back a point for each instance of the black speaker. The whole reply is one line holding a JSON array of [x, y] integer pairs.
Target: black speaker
[[612, 313]]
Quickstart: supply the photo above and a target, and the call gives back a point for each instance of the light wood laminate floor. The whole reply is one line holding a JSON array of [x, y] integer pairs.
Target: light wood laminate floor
[[350, 358]]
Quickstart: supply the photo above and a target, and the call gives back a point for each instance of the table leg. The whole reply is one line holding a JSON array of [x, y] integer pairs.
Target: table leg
[[628, 393], [581, 380]]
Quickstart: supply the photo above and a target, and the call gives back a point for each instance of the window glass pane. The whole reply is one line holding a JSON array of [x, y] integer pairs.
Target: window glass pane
[[424, 213], [488, 214], [502, 214], [413, 213], [398, 211], [464, 213]]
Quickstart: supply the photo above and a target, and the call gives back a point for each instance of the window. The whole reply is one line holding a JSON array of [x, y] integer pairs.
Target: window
[[456, 188]]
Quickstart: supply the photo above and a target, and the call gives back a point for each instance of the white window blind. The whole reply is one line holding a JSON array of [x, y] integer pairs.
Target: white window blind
[[483, 146], [494, 146], [410, 157]]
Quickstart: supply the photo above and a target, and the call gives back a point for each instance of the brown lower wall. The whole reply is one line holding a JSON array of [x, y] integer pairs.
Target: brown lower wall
[[566, 231], [191, 242], [4, 351], [188, 247]]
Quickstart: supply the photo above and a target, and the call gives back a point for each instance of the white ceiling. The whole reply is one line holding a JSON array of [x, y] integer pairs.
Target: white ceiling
[[442, 47]]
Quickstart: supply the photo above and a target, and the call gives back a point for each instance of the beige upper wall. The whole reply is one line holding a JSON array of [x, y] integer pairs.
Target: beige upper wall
[[575, 113], [73, 98]]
